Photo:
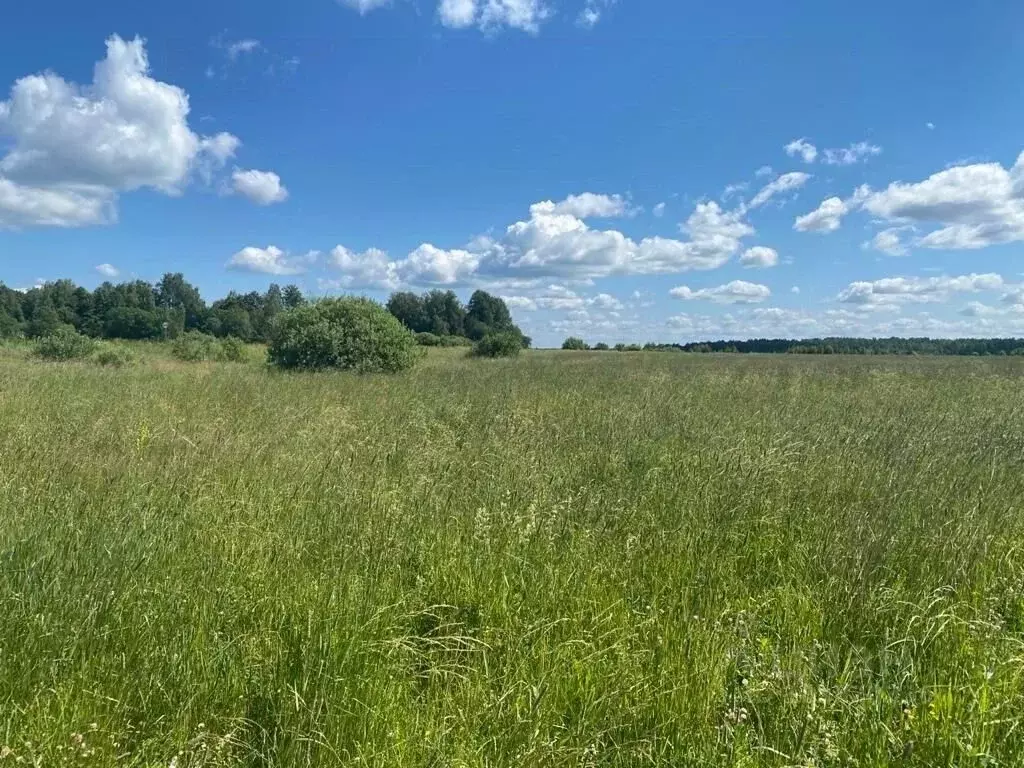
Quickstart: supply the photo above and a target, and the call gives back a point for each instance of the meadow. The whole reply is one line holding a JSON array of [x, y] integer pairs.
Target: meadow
[[566, 559]]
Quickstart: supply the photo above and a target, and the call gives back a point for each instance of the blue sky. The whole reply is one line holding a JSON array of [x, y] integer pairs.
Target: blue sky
[[617, 169]]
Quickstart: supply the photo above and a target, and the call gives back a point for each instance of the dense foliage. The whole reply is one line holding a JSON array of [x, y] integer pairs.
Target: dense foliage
[[440, 315], [140, 310], [64, 343], [499, 344], [574, 342], [350, 333]]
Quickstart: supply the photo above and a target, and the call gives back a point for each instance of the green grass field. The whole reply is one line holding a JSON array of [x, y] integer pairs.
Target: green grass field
[[569, 559]]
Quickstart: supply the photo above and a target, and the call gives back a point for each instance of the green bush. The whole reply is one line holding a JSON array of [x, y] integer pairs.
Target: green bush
[[427, 339], [195, 346], [501, 344], [350, 333], [232, 350], [455, 341], [601, 347], [113, 355], [574, 342], [64, 344]]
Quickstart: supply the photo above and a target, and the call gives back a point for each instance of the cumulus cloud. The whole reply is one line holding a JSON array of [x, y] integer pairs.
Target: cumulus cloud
[[903, 290], [261, 187], [108, 270], [556, 243], [270, 260], [63, 206], [889, 241], [71, 149], [787, 182], [736, 292], [658, 210], [759, 256], [852, 154], [965, 207], [803, 149], [490, 15], [829, 214], [426, 265], [586, 205], [764, 170]]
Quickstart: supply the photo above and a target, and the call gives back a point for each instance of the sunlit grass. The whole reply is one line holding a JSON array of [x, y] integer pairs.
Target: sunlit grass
[[567, 559]]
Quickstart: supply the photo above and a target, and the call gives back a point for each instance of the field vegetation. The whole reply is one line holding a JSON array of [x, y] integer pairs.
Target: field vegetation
[[561, 559]]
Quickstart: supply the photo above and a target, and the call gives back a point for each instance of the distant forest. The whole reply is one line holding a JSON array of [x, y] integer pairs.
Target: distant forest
[[853, 346], [142, 310]]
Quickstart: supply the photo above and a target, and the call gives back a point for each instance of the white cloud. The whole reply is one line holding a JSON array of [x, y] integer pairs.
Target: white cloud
[[551, 244], [974, 205], [787, 182], [930, 126], [826, 218], [367, 269], [736, 292], [64, 206], [261, 187], [562, 298], [764, 170], [457, 14], [489, 15], [829, 214], [364, 6], [606, 301], [852, 154], [588, 17], [977, 205], [795, 289], [520, 302], [71, 149], [658, 210], [888, 241], [592, 12], [430, 265], [733, 189], [555, 243], [237, 48], [586, 205], [902, 290], [759, 256], [802, 148], [426, 265], [270, 260], [108, 270]]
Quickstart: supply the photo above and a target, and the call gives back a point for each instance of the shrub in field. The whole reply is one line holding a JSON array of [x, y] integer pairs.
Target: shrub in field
[[232, 350], [601, 347], [427, 339], [455, 341], [64, 344], [113, 356], [502, 344], [195, 346], [574, 342], [350, 333]]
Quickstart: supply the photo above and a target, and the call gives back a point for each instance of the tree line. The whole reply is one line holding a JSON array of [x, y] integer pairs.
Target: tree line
[[142, 310], [841, 345]]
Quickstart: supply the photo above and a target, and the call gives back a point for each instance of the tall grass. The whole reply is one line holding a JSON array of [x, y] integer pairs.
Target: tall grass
[[562, 560]]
